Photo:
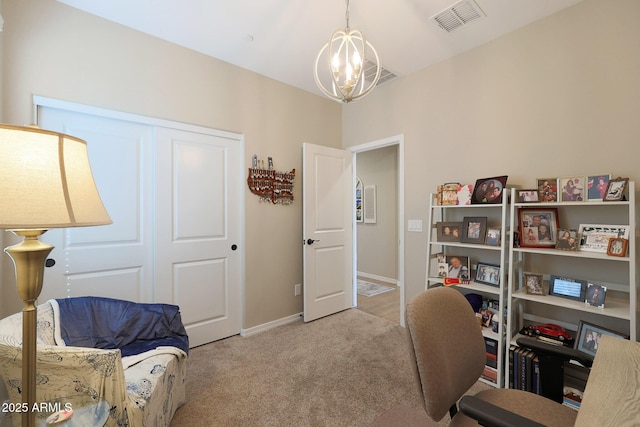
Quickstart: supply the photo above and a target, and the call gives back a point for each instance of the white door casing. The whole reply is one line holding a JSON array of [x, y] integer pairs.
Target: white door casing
[[174, 193], [328, 218]]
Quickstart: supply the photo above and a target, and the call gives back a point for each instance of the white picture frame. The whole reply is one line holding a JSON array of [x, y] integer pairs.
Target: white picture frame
[[595, 237]]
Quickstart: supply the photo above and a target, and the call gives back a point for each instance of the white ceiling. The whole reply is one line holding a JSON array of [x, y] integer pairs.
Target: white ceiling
[[281, 38]]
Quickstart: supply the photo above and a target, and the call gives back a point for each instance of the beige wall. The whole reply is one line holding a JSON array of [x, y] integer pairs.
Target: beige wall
[[559, 97], [378, 243], [59, 52]]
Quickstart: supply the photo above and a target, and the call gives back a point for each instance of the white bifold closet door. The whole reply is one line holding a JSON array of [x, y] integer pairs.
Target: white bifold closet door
[[174, 195]]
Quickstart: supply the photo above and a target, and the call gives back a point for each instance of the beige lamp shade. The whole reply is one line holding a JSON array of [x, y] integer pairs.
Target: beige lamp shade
[[46, 181]]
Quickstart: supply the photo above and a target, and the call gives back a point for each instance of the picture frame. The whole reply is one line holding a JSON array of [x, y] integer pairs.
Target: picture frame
[[547, 189], [566, 287], [489, 190], [589, 334], [533, 283], [568, 240], [596, 294], [617, 247], [529, 195], [449, 231], [572, 189], [489, 274], [538, 227], [597, 186], [474, 229], [493, 236], [458, 269], [595, 237], [615, 190]]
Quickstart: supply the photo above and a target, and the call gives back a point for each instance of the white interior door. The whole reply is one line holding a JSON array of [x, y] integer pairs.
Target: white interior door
[[327, 230], [116, 260], [198, 233]]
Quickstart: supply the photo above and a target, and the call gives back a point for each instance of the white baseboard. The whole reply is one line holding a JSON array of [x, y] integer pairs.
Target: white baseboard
[[378, 278], [270, 325]]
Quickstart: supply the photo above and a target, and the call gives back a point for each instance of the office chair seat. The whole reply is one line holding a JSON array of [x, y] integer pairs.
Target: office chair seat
[[450, 354]]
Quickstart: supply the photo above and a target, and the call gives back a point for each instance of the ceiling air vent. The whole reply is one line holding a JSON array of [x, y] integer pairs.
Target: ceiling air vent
[[456, 16], [370, 73]]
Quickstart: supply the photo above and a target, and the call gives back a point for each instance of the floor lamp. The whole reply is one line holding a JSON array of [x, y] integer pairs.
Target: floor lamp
[[45, 182]]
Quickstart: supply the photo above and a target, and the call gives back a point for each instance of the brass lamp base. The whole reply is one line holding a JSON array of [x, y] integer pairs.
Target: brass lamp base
[[29, 258]]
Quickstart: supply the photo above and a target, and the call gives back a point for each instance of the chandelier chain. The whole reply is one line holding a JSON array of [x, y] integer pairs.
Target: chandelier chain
[[346, 15]]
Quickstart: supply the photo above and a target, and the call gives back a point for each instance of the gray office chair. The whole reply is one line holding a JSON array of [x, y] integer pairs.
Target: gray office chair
[[450, 354]]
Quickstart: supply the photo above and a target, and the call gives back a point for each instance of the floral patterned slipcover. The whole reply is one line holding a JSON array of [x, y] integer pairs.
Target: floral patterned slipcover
[[141, 390]]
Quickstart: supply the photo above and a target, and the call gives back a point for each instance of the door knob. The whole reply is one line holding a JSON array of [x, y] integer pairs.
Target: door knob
[[310, 241], [50, 262], [234, 247]]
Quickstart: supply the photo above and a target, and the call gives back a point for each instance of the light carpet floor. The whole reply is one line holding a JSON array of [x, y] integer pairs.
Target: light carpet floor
[[342, 370]]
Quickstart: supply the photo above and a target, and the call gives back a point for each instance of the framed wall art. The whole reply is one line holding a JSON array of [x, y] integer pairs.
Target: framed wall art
[[538, 227]]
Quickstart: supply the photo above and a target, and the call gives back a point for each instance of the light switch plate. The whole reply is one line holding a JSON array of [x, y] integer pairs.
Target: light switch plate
[[415, 225]]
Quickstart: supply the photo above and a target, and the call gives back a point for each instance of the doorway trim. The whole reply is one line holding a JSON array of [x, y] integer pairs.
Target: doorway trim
[[397, 140]]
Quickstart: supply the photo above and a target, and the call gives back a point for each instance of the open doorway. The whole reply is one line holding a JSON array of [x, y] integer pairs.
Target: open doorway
[[378, 238]]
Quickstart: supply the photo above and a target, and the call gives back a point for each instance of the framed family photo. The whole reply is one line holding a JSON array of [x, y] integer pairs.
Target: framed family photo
[[449, 231], [489, 274], [489, 190], [538, 227], [547, 189], [588, 337], [597, 186], [493, 237], [572, 189], [527, 196], [596, 295], [474, 230], [567, 240]]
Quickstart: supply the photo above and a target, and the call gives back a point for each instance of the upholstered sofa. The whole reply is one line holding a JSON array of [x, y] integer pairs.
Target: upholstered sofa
[[142, 388]]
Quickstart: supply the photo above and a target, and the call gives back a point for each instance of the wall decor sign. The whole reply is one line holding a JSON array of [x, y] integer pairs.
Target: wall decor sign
[[271, 185]]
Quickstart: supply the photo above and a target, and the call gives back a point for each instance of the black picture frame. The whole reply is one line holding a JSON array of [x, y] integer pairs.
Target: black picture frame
[[489, 274], [474, 229], [566, 287], [532, 223], [615, 190], [589, 335], [449, 231], [489, 190]]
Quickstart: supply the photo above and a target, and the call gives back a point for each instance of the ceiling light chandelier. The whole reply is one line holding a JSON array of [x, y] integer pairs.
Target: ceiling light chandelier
[[341, 62]]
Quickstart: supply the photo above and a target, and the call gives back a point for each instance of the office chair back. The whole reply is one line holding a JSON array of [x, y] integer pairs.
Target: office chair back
[[448, 347]]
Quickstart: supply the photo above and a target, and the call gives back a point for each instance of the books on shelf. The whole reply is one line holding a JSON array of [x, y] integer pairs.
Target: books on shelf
[[524, 369], [491, 365]]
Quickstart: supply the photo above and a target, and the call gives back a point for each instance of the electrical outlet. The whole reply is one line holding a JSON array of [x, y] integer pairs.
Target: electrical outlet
[[297, 289]]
